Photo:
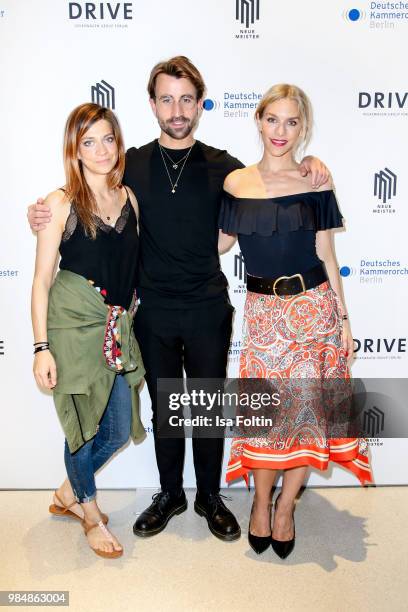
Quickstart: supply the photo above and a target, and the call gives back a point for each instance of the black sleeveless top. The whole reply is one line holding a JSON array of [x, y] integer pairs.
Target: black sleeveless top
[[277, 236], [110, 261]]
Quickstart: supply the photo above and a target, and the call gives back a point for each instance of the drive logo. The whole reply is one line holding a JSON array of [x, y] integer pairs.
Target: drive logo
[[373, 422], [378, 346], [385, 185], [103, 94], [383, 103], [247, 12], [239, 268], [383, 99], [100, 11], [1, 347]]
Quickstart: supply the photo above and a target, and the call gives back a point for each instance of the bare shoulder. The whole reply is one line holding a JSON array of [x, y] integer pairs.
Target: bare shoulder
[[133, 200], [59, 205], [57, 201], [235, 180]]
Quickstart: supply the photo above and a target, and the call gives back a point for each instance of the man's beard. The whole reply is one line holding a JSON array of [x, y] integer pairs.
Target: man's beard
[[180, 133]]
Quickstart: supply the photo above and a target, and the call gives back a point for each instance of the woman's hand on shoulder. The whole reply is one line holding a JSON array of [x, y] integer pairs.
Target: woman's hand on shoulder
[[45, 370]]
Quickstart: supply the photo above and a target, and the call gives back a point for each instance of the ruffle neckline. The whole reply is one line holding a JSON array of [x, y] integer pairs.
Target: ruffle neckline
[[312, 210]]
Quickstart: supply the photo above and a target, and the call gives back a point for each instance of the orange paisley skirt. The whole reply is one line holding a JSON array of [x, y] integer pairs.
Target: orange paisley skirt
[[289, 339]]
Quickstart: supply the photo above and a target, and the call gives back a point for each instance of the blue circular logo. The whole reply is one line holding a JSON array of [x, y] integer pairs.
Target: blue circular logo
[[345, 271], [208, 104], [354, 15]]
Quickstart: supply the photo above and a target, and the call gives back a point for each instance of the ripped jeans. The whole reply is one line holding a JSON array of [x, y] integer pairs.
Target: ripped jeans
[[113, 433]]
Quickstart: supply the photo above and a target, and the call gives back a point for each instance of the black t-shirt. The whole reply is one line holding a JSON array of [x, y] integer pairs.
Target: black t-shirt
[[179, 265]]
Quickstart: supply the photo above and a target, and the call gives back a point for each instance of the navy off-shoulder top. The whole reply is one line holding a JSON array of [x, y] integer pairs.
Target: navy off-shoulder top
[[277, 236]]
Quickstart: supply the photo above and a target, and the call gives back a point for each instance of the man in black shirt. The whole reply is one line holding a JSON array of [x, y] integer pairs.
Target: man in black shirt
[[184, 320]]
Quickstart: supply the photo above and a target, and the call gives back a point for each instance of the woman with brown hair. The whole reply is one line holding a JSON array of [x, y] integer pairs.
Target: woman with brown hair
[[84, 348], [296, 328]]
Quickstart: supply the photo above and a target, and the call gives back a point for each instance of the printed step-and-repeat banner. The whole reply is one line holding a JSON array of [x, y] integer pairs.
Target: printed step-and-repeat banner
[[349, 58]]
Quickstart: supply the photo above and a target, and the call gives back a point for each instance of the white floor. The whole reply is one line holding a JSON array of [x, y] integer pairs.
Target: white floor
[[350, 554]]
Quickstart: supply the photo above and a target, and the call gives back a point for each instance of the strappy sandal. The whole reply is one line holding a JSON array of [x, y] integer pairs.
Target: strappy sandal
[[63, 510], [113, 554]]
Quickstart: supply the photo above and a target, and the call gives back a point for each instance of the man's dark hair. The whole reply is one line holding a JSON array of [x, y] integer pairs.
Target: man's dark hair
[[179, 67]]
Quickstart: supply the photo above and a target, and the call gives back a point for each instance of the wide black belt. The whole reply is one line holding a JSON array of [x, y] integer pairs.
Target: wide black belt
[[288, 285]]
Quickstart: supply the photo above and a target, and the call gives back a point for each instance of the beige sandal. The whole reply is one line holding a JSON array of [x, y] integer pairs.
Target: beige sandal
[[63, 510], [113, 554]]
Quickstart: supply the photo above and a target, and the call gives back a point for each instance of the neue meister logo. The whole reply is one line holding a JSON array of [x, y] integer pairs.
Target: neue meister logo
[[373, 421], [247, 11], [103, 94], [239, 267], [385, 185]]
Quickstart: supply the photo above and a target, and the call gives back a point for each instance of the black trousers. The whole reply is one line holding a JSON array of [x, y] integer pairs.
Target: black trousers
[[197, 339]]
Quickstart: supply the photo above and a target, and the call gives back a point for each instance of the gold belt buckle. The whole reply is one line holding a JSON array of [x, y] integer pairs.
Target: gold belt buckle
[[299, 276]]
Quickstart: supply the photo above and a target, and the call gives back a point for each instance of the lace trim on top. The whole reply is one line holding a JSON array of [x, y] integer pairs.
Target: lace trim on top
[[72, 222]]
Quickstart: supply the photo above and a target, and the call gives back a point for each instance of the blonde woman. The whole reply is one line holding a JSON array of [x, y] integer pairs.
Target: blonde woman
[[295, 320]]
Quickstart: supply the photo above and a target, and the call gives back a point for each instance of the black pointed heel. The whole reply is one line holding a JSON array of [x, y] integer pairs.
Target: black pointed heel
[[258, 543], [284, 548]]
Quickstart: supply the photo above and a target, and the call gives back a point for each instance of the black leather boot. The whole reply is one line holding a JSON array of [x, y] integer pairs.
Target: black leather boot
[[221, 522], [155, 518]]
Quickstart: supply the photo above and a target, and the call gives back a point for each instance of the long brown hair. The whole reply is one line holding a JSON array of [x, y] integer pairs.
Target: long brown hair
[[76, 188], [179, 67]]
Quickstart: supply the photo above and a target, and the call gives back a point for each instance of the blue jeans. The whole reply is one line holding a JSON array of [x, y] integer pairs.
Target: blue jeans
[[113, 433]]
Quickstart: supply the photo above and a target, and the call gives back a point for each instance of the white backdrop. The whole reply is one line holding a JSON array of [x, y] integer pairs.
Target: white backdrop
[[52, 52]]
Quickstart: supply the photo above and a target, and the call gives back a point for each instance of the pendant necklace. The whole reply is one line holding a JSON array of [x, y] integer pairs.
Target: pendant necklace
[[176, 164], [108, 218], [184, 159]]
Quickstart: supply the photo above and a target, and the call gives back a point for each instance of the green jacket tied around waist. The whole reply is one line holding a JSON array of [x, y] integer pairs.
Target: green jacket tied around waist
[[77, 322]]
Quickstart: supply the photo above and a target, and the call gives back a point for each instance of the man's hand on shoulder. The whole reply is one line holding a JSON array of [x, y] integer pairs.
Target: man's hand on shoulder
[[319, 172], [38, 215], [327, 186]]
